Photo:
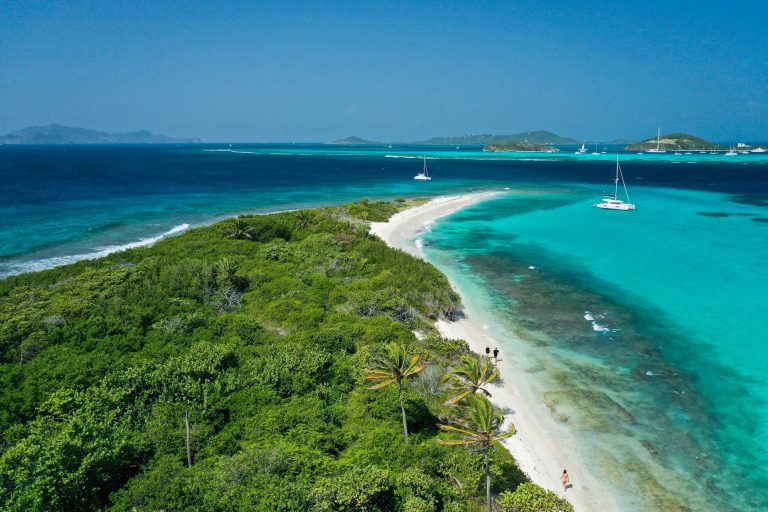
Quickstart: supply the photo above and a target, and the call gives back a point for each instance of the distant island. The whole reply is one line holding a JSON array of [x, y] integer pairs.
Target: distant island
[[674, 142], [519, 147], [534, 137], [59, 134], [352, 140]]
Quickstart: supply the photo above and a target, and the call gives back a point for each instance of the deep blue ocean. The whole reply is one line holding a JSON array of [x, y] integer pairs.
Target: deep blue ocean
[[647, 329]]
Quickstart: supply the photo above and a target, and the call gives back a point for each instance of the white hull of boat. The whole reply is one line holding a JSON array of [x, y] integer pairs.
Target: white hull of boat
[[421, 177], [615, 206]]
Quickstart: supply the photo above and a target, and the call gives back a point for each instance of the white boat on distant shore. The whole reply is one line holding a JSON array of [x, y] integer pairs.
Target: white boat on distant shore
[[658, 148], [612, 201], [424, 174], [758, 150], [731, 152], [582, 149]]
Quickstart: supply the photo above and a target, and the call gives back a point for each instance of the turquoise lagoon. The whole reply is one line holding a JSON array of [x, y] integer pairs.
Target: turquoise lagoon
[[645, 330]]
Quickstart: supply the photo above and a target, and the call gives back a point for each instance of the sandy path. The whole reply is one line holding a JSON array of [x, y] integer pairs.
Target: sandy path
[[541, 447]]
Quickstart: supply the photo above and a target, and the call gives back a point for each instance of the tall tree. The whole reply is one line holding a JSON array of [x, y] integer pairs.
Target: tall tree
[[393, 365], [479, 424], [472, 375], [239, 230]]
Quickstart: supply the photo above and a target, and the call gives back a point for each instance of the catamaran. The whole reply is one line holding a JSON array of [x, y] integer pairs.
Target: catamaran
[[424, 174], [612, 201], [658, 149]]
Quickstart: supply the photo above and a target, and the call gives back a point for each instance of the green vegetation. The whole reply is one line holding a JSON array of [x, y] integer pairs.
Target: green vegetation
[[224, 370], [480, 427], [472, 375], [393, 366], [519, 147], [532, 498], [675, 142], [532, 137]]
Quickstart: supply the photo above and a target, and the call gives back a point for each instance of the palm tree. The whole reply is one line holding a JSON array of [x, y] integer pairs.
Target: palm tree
[[480, 427], [304, 219], [472, 375], [239, 230], [392, 366]]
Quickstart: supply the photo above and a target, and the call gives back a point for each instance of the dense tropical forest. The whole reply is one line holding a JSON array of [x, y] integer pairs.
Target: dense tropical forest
[[285, 362]]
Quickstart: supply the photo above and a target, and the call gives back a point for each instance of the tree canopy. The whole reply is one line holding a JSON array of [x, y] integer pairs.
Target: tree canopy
[[258, 331]]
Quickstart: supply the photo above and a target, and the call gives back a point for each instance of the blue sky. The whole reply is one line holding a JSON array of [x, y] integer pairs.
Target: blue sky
[[393, 71]]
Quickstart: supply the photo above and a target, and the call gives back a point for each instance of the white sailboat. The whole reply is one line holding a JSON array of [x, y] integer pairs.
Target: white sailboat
[[612, 201], [424, 174], [731, 152], [582, 149], [658, 149]]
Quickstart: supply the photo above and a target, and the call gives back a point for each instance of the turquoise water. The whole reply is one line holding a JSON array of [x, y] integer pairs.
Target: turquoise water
[[644, 331], [647, 328]]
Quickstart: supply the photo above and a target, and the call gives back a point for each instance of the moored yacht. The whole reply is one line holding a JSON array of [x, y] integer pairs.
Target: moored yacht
[[612, 201], [424, 174], [658, 148]]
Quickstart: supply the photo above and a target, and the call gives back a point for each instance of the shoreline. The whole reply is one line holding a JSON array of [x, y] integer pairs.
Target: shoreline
[[541, 448]]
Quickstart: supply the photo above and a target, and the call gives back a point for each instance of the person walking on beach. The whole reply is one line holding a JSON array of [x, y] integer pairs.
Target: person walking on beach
[[565, 479], [495, 354], [487, 351]]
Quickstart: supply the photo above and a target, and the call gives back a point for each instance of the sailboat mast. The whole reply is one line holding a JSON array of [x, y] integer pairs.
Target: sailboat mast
[[658, 139], [621, 174], [616, 181]]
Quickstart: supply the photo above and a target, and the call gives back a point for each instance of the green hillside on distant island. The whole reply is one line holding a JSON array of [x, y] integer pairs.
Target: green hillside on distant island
[[353, 140], [519, 147], [59, 134], [246, 366], [674, 142], [534, 137]]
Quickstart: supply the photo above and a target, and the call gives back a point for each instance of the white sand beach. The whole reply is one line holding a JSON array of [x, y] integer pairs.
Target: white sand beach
[[541, 447]]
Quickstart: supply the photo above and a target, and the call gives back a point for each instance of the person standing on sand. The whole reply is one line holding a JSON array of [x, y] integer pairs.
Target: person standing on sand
[[495, 354], [487, 351], [565, 479]]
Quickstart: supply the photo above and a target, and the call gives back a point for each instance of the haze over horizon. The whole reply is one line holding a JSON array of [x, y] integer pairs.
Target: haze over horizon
[[387, 71]]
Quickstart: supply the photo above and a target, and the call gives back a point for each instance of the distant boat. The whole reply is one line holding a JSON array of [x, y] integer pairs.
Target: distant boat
[[758, 150], [595, 152], [424, 174], [612, 201], [658, 149], [731, 152], [582, 149]]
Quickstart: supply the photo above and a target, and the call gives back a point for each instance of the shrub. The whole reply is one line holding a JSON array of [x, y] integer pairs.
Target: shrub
[[529, 497]]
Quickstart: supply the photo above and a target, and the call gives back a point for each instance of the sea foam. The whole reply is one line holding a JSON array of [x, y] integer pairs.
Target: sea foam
[[46, 263]]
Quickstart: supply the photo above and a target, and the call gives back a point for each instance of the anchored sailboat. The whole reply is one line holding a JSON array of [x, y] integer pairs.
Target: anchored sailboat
[[612, 201], [424, 174], [658, 148]]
